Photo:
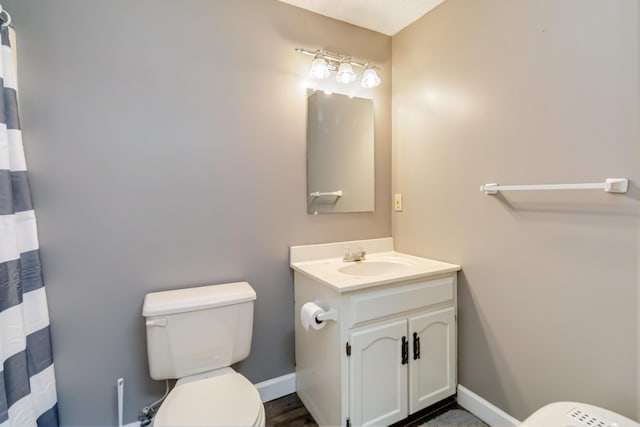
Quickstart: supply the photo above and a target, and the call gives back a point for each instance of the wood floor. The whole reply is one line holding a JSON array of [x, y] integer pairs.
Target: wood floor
[[289, 411]]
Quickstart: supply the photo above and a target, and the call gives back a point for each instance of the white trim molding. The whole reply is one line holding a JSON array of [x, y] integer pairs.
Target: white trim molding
[[277, 387], [484, 410]]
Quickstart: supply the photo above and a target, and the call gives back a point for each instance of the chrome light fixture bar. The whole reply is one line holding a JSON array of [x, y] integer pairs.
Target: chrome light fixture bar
[[324, 62]]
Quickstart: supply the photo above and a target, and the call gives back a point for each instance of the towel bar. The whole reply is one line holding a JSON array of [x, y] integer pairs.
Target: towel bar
[[610, 185]]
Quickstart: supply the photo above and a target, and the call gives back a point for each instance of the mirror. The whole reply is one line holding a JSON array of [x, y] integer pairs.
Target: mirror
[[340, 153]]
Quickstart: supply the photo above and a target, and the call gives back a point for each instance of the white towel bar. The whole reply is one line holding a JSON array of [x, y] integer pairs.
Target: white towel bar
[[610, 185], [331, 193]]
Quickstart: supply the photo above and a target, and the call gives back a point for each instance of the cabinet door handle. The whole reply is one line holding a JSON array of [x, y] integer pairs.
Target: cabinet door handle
[[416, 346], [405, 351]]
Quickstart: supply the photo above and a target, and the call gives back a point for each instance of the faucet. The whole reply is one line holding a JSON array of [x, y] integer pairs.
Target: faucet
[[357, 255]]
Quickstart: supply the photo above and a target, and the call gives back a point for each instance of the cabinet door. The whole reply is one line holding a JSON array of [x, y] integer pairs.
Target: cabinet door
[[377, 376], [432, 371]]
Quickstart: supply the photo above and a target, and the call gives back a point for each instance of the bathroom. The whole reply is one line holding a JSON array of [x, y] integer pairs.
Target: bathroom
[[166, 149]]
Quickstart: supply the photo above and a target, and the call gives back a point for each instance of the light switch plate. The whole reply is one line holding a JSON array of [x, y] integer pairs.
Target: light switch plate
[[397, 202]]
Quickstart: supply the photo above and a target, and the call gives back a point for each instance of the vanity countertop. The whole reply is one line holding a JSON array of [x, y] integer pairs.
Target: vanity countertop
[[379, 268]]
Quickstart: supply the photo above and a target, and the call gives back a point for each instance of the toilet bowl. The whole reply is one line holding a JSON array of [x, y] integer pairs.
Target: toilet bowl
[[573, 414], [222, 398], [195, 335]]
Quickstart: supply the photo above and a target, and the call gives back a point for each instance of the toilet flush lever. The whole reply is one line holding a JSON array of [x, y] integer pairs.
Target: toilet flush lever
[[157, 322]]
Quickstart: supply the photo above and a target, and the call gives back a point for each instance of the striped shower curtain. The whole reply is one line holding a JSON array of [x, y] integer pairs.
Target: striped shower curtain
[[27, 380]]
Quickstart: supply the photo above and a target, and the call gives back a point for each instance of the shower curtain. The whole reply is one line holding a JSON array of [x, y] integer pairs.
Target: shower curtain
[[27, 380]]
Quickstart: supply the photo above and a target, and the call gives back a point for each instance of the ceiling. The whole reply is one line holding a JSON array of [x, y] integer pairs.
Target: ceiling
[[384, 16]]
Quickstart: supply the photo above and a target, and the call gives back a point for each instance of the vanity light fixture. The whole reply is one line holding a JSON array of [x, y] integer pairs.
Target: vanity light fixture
[[319, 69], [325, 62], [370, 78], [345, 73]]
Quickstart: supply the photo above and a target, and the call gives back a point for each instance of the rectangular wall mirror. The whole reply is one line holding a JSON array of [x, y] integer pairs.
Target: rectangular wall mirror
[[340, 153]]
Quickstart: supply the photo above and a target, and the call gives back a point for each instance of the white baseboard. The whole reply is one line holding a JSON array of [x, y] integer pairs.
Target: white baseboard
[[277, 387], [484, 410]]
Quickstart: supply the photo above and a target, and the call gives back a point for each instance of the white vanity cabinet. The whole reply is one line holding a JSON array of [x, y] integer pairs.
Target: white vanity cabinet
[[399, 367], [390, 353]]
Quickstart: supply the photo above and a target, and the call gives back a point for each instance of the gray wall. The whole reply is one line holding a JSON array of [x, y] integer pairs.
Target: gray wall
[[166, 147], [521, 93]]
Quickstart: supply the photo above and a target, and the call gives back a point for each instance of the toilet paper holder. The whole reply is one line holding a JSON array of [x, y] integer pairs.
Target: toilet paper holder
[[314, 314], [330, 314]]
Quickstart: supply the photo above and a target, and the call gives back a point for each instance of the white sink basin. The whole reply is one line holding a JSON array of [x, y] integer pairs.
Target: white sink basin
[[374, 268], [323, 262]]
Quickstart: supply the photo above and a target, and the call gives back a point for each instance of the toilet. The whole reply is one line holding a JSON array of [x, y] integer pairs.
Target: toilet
[[195, 335], [574, 414]]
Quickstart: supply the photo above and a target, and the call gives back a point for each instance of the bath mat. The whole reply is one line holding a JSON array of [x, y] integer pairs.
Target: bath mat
[[455, 418]]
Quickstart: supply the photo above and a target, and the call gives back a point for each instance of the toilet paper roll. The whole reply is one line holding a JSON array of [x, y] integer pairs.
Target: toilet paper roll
[[308, 316]]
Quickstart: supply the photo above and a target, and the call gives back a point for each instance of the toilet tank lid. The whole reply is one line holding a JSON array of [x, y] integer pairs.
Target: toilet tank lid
[[198, 298]]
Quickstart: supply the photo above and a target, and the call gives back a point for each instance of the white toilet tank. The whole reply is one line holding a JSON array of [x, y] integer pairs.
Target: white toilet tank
[[195, 330]]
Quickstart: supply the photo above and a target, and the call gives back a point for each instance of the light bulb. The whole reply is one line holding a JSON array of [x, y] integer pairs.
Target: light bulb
[[345, 73], [370, 78], [319, 69]]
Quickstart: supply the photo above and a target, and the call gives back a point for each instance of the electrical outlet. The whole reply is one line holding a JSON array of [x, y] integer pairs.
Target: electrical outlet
[[397, 202]]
